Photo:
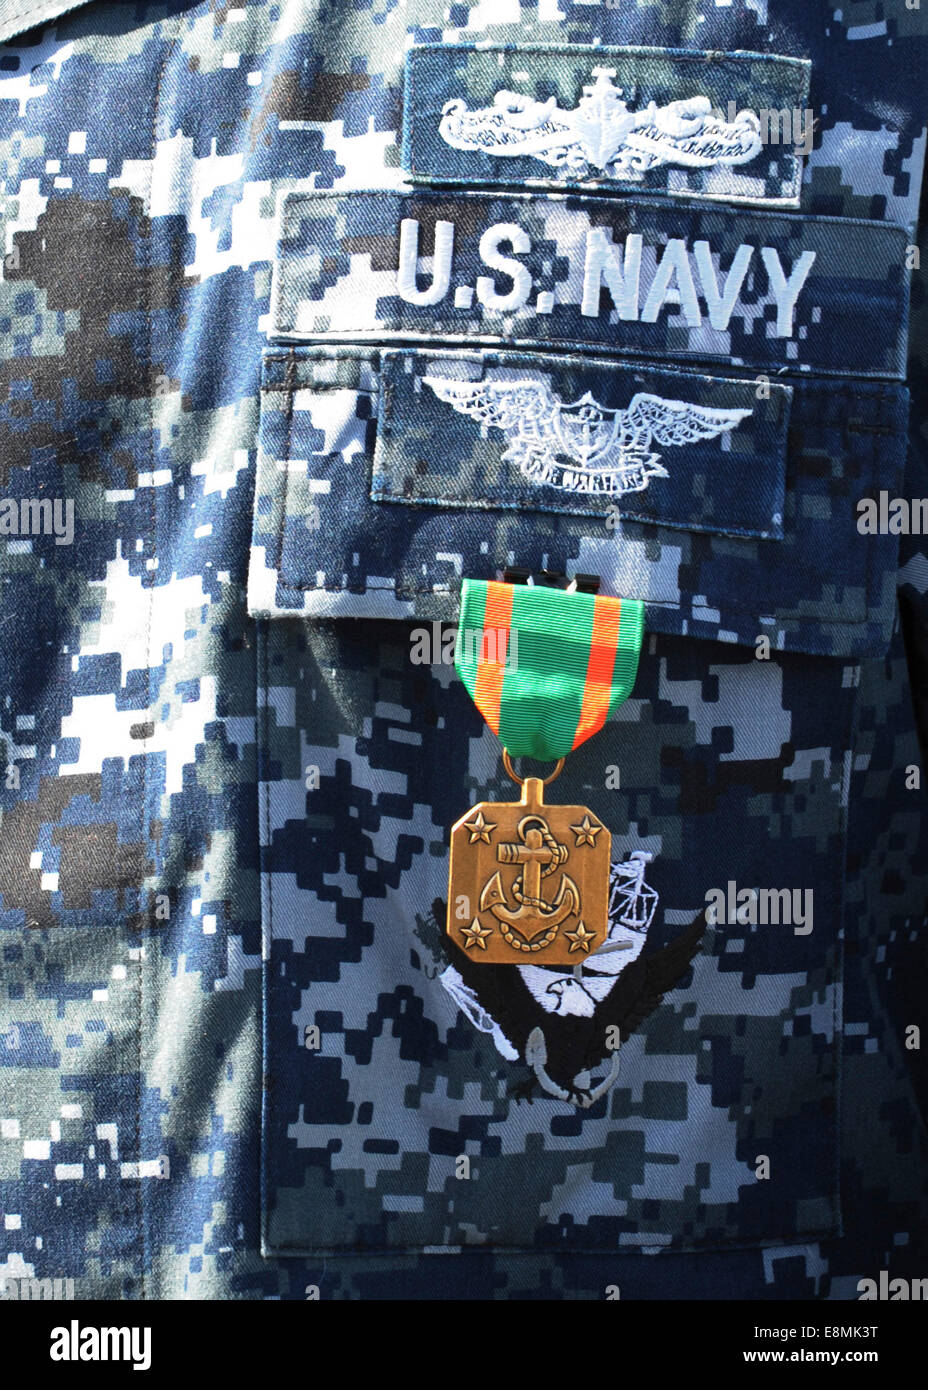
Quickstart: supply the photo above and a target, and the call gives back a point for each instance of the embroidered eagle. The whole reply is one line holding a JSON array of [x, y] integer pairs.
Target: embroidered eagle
[[560, 1041], [556, 1020], [609, 451]]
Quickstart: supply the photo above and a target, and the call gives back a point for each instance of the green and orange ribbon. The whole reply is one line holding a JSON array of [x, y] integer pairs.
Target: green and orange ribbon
[[546, 667]]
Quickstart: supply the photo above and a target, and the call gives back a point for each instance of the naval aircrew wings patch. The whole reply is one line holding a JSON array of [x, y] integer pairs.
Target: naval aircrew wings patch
[[584, 438], [580, 445]]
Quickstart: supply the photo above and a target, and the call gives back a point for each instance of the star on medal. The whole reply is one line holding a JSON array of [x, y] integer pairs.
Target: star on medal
[[476, 935], [480, 829], [586, 832], [580, 939]]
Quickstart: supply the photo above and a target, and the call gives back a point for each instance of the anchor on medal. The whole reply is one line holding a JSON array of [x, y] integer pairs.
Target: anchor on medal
[[540, 855], [537, 874], [528, 918]]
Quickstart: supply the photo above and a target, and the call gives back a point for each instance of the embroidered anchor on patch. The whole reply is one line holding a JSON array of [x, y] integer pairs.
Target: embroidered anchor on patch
[[602, 133], [609, 450]]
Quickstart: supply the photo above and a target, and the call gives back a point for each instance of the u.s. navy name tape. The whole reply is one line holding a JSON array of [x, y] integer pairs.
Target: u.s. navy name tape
[[768, 290]]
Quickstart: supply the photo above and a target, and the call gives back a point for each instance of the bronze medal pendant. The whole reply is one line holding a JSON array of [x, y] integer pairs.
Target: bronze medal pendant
[[529, 882]]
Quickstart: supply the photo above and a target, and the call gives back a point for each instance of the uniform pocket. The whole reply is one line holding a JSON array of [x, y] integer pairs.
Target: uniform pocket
[[396, 1068]]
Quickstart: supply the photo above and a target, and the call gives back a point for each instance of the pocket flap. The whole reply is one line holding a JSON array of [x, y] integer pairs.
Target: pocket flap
[[374, 498]]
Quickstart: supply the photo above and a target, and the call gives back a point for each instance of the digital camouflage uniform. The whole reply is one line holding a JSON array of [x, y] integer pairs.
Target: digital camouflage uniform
[[230, 336]]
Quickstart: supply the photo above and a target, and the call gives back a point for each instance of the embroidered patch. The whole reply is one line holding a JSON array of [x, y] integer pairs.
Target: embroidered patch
[[471, 1008], [694, 124], [632, 904], [607, 451], [770, 290], [603, 133], [546, 433], [565, 1023]]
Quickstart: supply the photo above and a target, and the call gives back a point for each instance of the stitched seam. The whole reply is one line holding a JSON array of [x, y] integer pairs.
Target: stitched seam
[[594, 353], [310, 355], [264, 770], [288, 385], [649, 202], [435, 592], [397, 336], [647, 1240], [482, 504], [409, 108], [802, 66], [43, 15], [148, 310], [398, 331], [837, 1007], [37, 10]]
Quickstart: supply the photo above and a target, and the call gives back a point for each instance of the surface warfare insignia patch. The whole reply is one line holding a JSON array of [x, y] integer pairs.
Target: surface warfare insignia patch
[[563, 1023], [581, 446], [602, 133], [690, 124]]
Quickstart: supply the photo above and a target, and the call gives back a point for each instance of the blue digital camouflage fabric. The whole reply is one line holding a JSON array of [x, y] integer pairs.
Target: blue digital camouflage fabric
[[307, 312]]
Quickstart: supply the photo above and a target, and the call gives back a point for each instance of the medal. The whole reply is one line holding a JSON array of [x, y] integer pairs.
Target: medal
[[529, 882]]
